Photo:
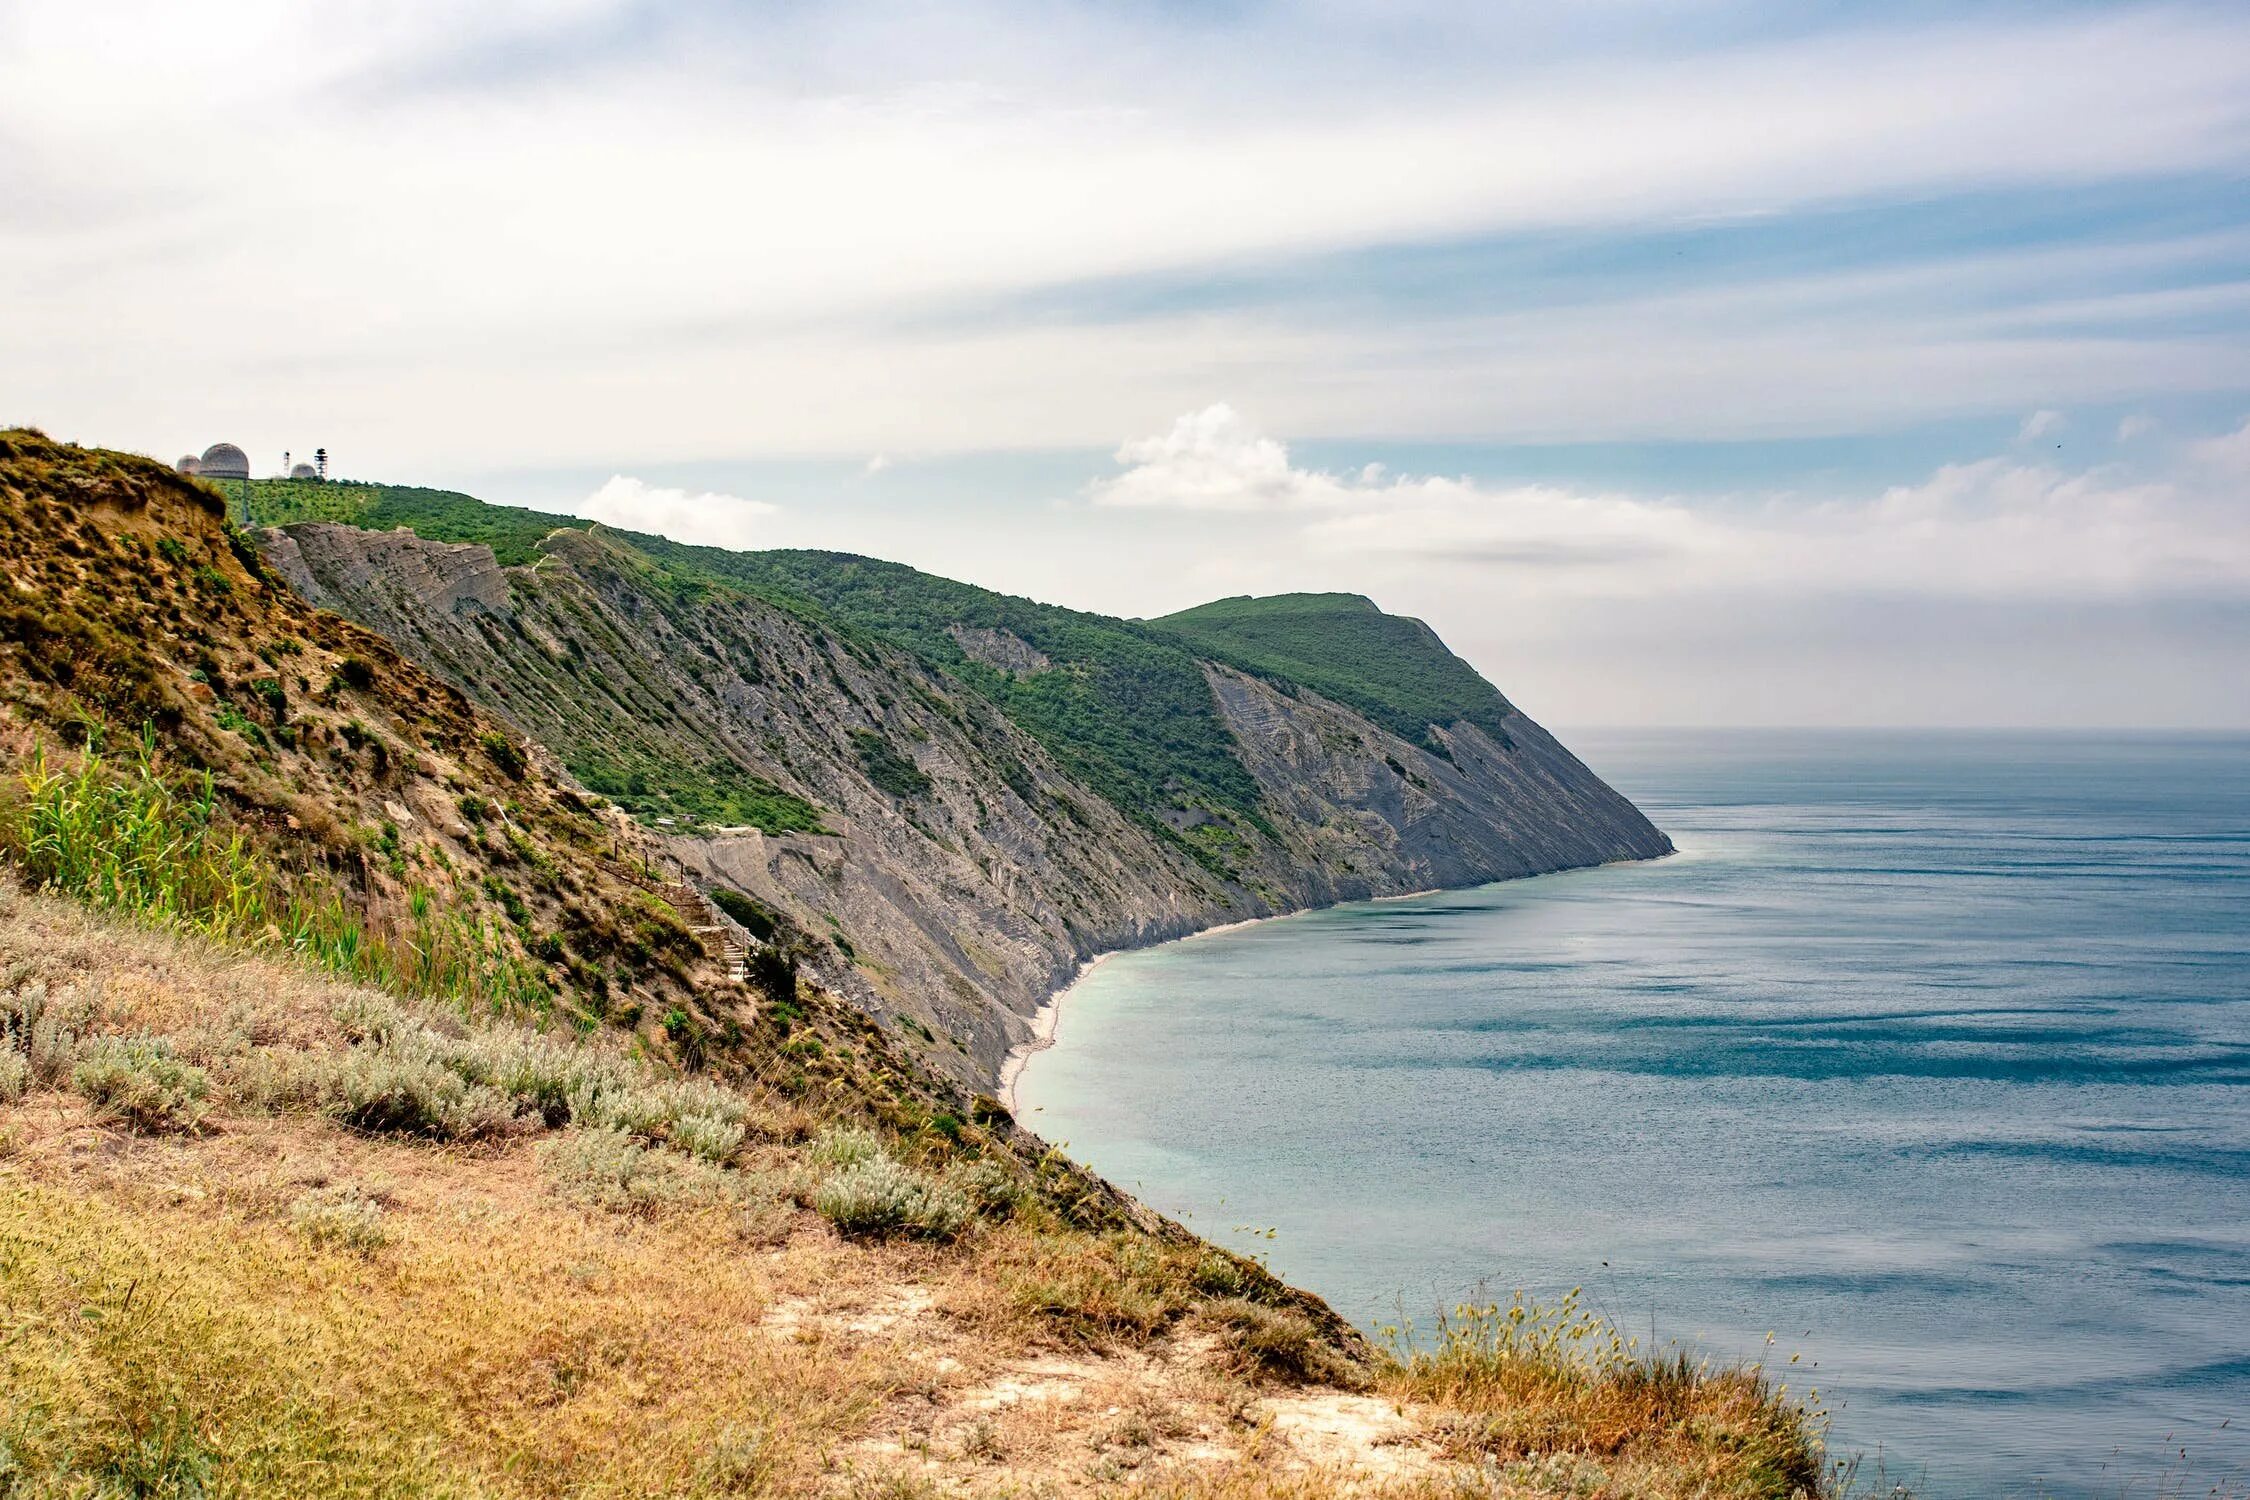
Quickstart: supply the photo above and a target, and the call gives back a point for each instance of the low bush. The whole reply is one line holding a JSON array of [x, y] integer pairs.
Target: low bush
[[990, 1185], [757, 918], [610, 1169], [847, 1146], [15, 1075], [878, 1198], [45, 1027], [707, 1137], [387, 1091], [137, 1082], [340, 1219], [772, 973]]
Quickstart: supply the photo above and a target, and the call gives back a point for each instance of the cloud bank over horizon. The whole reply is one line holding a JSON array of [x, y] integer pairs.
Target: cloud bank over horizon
[[1993, 527], [1870, 362]]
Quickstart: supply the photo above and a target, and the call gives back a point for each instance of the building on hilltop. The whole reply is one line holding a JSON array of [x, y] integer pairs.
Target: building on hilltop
[[226, 461], [223, 461], [230, 462]]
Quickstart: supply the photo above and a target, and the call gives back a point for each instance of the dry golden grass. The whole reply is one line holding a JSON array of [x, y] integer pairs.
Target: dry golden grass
[[276, 1304], [1515, 1383]]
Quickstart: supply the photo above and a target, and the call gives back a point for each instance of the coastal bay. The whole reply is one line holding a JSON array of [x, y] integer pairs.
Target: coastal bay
[[1925, 1055]]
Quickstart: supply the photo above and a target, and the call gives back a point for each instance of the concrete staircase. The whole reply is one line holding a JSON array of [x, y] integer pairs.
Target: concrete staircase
[[703, 919]]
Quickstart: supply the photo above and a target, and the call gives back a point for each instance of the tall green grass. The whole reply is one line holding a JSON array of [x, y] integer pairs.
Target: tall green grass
[[133, 838]]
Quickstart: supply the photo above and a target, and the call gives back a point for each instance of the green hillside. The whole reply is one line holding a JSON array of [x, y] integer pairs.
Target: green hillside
[[1391, 668], [1123, 708], [1121, 704]]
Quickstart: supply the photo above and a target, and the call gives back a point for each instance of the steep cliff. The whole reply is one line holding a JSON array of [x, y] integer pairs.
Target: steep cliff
[[954, 796]]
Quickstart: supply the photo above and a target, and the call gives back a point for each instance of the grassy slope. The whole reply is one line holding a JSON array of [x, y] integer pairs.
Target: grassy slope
[[1124, 710], [1391, 668], [353, 780], [270, 1299], [441, 515], [1125, 707]]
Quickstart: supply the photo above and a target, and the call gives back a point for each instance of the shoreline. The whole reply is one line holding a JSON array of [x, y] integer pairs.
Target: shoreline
[[1046, 1021]]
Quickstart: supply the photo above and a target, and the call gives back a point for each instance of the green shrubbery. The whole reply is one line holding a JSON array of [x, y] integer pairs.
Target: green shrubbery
[[136, 840], [758, 919], [1392, 669], [441, 515], [718, 793], [886, 767]]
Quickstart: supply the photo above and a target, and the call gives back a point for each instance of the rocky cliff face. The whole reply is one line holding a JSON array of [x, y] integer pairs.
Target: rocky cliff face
[[950, 872], [1370, 814]]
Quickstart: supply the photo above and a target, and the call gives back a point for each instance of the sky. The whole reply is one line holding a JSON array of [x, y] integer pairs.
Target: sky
[[1726, 363]]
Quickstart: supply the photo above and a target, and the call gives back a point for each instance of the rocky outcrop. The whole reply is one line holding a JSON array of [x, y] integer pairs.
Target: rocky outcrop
[[1002, 649], [958, 874]]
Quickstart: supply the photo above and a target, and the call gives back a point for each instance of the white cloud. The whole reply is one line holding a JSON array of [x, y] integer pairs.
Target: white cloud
[[707, 518], [2040, 424], [1996, 528], [875, 466], [1215, 460], [2134, 426]]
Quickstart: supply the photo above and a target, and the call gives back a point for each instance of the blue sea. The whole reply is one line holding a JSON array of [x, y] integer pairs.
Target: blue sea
[[1927, 1055]]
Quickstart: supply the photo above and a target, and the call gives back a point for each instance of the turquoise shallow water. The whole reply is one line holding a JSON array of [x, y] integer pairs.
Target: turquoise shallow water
[[1929, 1054]]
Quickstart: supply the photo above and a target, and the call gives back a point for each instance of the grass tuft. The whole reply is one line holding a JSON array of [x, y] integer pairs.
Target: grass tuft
[[1275, 1342]]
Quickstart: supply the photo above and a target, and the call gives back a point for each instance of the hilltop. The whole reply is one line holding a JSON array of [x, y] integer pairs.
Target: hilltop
[[1394, 670], [372, 1122]]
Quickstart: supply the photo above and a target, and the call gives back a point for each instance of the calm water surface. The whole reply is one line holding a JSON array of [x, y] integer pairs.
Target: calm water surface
[[1929, 1054]]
